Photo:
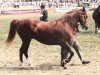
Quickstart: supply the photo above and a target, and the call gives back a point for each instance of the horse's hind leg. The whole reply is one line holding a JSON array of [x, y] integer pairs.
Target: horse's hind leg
[[24, 50], [70, 56], [68, 47], [27, 43], [21, 55], [63, 53]]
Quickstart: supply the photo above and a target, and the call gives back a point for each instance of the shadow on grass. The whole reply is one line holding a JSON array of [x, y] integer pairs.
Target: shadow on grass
[[42, 67], [15, 68], [87, 32], [75, 64], [48, 66]]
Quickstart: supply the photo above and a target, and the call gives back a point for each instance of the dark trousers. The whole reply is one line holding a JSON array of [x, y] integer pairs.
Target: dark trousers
[[77, 48]]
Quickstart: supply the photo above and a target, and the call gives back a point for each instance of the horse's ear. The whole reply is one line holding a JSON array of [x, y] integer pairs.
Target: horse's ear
[[84, 9]]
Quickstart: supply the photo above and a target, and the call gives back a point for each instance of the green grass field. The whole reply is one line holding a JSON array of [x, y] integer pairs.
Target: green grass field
[[46, 59]]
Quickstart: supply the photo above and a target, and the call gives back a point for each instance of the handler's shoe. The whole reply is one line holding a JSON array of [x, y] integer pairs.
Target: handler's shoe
[[85, 62]]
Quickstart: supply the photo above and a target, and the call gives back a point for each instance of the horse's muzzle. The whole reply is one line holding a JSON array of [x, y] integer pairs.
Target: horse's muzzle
[[85, 27]]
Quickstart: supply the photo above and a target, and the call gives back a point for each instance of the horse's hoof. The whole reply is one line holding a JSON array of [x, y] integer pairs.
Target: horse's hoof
[[85, 62], [32, 68], [21, 65], [30, 65], [65, 66]]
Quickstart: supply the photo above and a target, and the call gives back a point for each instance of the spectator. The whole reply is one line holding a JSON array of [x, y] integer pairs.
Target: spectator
[[44, 13]]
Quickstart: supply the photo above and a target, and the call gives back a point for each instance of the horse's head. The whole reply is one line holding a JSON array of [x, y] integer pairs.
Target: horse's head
[[75, 16], [83, 18]]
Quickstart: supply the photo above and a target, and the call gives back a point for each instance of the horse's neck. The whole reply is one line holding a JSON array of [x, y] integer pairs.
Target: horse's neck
[[72, 21], [75, 19]]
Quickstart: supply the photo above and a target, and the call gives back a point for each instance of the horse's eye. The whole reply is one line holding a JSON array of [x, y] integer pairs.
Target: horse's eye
[[86, 16]]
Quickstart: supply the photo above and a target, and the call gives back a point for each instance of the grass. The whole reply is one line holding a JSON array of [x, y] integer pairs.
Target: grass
[[46, 59]]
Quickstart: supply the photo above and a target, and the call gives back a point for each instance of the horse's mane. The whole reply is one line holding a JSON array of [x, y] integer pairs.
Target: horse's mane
[[68, 17], [74, 10]]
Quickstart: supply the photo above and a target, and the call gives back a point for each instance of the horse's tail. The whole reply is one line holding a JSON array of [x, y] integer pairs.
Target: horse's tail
[[12, 31]]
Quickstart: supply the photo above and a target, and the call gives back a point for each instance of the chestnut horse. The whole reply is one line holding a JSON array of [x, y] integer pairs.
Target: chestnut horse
[[73, 17], [58, 32]]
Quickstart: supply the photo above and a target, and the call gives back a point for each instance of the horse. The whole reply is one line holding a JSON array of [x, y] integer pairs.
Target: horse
[[58, 32], [74, 17], [96, 18]]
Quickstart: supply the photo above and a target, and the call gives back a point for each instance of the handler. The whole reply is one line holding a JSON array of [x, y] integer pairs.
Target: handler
[[79, 51]]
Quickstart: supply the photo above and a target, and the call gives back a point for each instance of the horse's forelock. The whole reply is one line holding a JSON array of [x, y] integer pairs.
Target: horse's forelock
[[84, 13], [84, 9]]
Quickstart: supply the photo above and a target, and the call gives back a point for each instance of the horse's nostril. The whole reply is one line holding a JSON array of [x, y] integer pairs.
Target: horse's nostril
[[86, 28]]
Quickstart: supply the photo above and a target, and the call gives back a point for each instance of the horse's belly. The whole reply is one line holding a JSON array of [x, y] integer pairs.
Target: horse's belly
[[51, 36], [48, 39]]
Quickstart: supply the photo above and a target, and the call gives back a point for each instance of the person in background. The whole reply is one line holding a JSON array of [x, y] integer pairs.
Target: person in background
[[44, 13]]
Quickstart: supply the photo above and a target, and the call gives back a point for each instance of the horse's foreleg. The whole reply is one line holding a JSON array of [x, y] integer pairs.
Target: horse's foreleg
[[62, 56], [70, 51], [65, 56]]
